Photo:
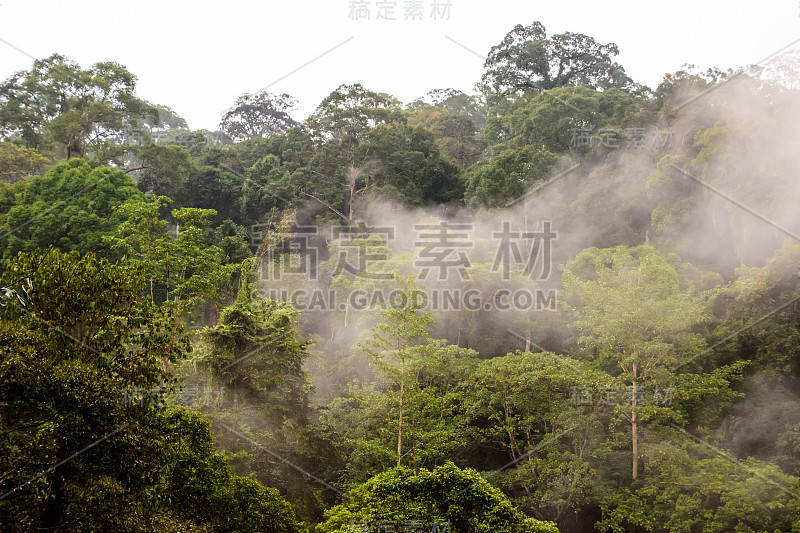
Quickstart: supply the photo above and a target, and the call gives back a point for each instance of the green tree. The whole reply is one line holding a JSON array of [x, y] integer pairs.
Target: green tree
[[507, 176], [692, 487], [342, 121], [255, 351], [266, 190], [57, 101], [258, 115], [636, 313], [18, 162], [204, 491], [527, 59], [394, 346], [71, 207], [85, 441], [454, 102], [216, 182], [255, 355], [294, 149], [455, 135], [181, 269], [516, 403], [445, 496], [410, 167], [162, 170]]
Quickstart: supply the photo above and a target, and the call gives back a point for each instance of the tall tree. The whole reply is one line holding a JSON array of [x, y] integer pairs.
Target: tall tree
[[395, 344], [636, 313], [17, 162], [256, 352], [258, 115], [57, 101], [455, 102], [527, 59], [180, 269], [344, 119], [455, 135], [409, 166]]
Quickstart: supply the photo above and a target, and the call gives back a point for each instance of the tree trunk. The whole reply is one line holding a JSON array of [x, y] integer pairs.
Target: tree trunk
[[400, 418], [51, 513], [352, 178]]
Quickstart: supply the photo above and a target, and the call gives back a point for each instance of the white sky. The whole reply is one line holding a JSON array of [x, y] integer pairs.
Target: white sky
[[198, 56]]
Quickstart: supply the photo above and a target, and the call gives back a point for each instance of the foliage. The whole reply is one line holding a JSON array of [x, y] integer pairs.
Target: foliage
[[182, 268], [71, 207], [58, 102], [86, 442], [258, 115], [445, 495], [527, 59], [18, 162]]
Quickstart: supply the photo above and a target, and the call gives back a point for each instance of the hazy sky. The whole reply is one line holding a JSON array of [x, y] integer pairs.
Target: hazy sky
[[197, 56]]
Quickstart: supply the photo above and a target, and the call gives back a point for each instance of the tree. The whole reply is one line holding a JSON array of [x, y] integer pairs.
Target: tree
[[162, 170], [454, 102], [180, 269], [165, 120], [343, 120], [455, 135], [681, 86], [194, 270], [293, 148], [349, 112], [255, 351], [692, 487], [18, 162], [258, 115], [216, 185], [64, 374], [71, 207], [256, 356], [446, 498], [507, 176], [57, 101], [635, 312], [86, 443], [759, 292], [527, 59], [263, 192], [393, 345], [409, 166], [553, 118], [519, 401], [362, 424]]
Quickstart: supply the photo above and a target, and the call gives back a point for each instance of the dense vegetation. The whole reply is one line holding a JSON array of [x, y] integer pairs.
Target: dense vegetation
[[266, 285]]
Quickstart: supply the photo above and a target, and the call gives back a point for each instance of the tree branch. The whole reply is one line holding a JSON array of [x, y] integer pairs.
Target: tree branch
[[326, 205]]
